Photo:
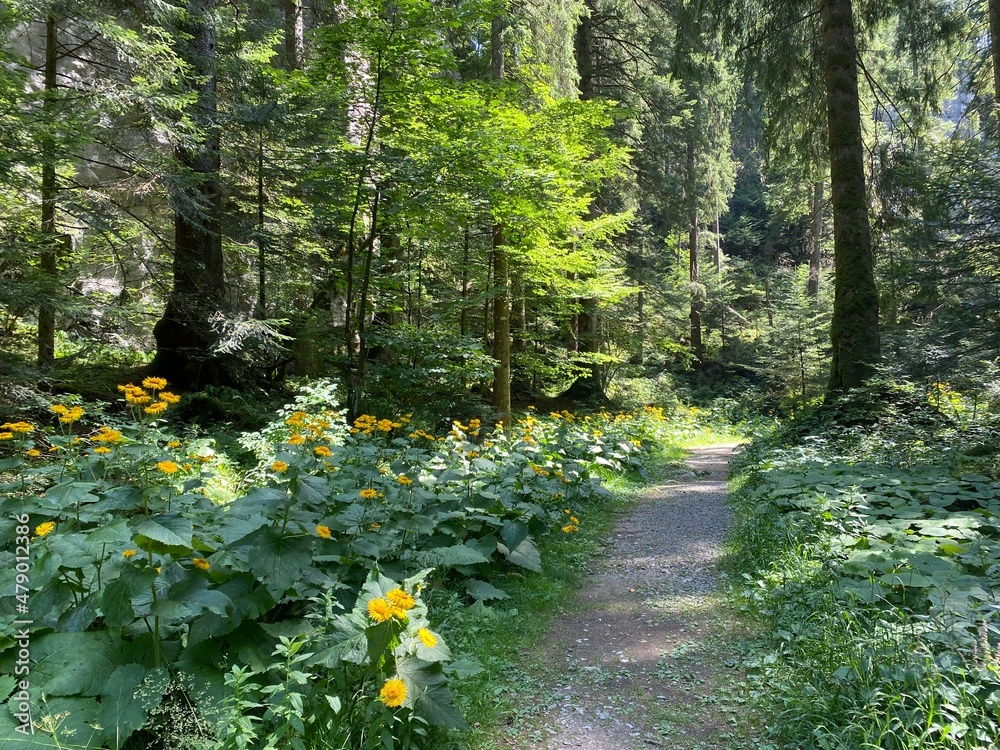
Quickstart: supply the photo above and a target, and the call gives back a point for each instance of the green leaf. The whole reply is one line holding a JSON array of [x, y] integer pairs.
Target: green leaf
[[526, 555], [116, 603], [449, 557], [427, 693], [74, 663], [167, 529], [277, 561], [123, 709], [483, 591], [312, 490], [111, 533]]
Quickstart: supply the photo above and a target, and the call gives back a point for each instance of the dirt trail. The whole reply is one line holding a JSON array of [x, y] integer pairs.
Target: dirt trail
[[642, 658]]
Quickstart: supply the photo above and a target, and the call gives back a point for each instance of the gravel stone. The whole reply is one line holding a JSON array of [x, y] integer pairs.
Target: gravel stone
[[643, 601]]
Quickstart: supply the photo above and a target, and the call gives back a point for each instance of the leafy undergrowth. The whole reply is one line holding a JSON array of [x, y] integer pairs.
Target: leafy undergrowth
[[176, 603], [869, 542]]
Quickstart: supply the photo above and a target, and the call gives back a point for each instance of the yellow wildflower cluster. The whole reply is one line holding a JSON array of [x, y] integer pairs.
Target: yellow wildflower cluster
[[403, 479], [367, 424], [395, 603], [67, 415], [539, 470], [33, 453], [318, 428], [322, 451], [106, 435], [574, 522], [421, 434], [393, 692], [22, 428], [138, 396]]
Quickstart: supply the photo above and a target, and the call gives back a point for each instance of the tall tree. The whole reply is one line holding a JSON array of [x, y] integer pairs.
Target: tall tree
[[501, 272], [854, 329], [184, 335]]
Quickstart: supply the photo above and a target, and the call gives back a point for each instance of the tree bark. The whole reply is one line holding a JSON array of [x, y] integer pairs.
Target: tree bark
[[587, 322], [812, 286], [854, 329], [294, 34], [994, 10], [501, 327], [50, 242], [501, 281], [184, 336]]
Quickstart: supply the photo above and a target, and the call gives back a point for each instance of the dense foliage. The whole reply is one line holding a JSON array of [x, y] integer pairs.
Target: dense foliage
[[871, 552], [142, 583]]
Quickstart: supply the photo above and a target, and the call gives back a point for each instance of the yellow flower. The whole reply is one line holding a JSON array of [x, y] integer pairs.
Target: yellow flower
[[296, 419], [570, 528], [127, 553], [403, 479], [106, 435], [155, 384], [380, 610], [21, 427], [200, 562], [427, 637], [34, 453], [58, 409], [400, 599], [368, 494], [279, 467], [574, 520], [170, 398], [393, 692], [44, 529], [6, 435], [157, 407], [323, 531], [167, 467], [69, 416], [473, 454], [102, 450], [296, 440], [174, 444], [322, 451]]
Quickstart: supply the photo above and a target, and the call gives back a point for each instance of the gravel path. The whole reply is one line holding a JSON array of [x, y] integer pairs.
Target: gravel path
[[632, 665]]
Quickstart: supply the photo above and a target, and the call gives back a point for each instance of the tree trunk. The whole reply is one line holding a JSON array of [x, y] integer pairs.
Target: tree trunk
[[184, 336], [501, 281], [294, 34], [50, 242], [994, 7], [812, 286], [694, 275], [587, 323], [854, 328], [501, 328]]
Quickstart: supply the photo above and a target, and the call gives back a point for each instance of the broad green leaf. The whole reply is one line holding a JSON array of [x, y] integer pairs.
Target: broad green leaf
[[427, 693], [169, 529], [483, 591]]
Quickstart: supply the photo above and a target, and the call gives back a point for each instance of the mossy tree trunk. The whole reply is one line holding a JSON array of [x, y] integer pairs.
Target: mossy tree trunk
[[854, 329], [184, 336]]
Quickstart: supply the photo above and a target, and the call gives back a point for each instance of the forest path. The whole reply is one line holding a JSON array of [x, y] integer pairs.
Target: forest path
[[646, 655]]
